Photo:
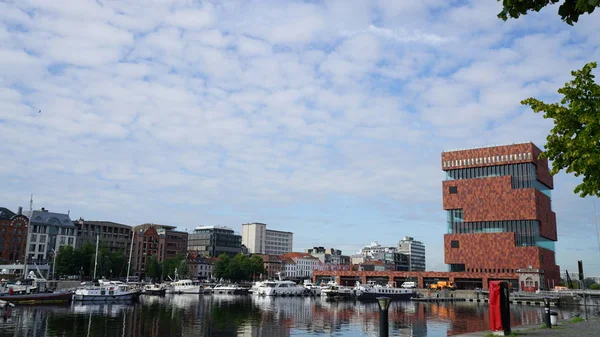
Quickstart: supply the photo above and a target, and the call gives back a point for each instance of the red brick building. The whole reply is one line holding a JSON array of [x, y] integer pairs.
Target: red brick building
[[13, 236], [499, 214], [500, 222]]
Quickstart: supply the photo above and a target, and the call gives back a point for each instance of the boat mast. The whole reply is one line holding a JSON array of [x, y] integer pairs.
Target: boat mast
[[96, 258], [130, 251]]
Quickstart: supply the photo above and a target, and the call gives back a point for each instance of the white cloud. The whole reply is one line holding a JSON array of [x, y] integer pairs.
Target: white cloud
[[271, 111]]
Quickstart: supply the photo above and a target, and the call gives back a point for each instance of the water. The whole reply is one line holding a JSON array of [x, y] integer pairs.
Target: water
[[247, 316]]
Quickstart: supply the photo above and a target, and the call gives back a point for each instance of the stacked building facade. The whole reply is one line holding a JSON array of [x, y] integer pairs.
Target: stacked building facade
[[499, 213]]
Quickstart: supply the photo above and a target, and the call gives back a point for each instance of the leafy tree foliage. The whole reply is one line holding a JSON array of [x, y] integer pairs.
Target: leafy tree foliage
[[241, 267], [153, 268], [574, 142], [569, 10], [595, 286], [70, 261], [179, 263]]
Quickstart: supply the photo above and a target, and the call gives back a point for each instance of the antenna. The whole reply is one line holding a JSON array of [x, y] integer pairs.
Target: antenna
[[31, 203]]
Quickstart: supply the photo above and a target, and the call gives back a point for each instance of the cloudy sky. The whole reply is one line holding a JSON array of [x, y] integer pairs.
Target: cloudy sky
[[325, 118]]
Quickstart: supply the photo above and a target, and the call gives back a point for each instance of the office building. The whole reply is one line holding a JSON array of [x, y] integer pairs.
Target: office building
[[415, 250], [112, 235], [260, 240], [214, 241], [499, 213], [13, 237]]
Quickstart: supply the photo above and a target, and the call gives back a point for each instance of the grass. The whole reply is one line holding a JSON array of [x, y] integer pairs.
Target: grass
[[577, 319]]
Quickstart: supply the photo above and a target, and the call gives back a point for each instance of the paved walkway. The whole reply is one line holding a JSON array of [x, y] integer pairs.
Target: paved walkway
[[590, 328]]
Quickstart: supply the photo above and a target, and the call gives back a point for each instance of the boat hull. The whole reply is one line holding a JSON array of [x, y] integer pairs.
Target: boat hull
[[39, 298], [105, 298], [155, 292]]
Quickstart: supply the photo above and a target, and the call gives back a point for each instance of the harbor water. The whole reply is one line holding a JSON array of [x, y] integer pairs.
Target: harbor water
[[251, 316]]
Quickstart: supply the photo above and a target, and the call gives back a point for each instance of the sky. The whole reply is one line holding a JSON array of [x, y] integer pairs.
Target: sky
[[324, 118]]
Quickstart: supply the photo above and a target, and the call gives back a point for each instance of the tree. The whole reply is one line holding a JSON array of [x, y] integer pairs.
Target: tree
[[595, 286], [569, 10], [588, 281], [221, 267], [65, 261], [153, 268], [574, 142], [257, 266], [175, 263]]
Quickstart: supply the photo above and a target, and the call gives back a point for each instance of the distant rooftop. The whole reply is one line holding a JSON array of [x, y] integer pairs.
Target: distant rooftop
[[213, 227], [488, 146]]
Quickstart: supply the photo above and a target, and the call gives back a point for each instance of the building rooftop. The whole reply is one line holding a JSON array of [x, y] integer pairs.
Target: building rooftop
[[44, 216], [6, 214], [297, 255], [101, 222], [214, 227], [274, 230], [488, 146]]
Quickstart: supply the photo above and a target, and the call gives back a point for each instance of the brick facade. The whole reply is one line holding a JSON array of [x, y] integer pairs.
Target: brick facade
[[494, 199], [13, 238]]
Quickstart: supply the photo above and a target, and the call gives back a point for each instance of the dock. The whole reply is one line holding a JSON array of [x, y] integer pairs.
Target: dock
[[521, 301]]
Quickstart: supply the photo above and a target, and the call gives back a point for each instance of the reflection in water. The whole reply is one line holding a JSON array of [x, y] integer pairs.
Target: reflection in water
[[245, 316]]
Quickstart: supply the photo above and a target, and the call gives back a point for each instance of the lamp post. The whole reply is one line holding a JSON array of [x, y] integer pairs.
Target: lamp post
[[582, 287], [384, 304]]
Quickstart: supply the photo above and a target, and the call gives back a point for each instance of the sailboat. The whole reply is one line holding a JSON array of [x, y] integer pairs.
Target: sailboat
[[106, 291]]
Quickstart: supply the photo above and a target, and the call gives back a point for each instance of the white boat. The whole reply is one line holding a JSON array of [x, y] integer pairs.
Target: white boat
[[313, 288], [332, 289], [254, 288], [281, 288], [230, 289], [183, 287], [154, 289], [106, 291], [371, 291]]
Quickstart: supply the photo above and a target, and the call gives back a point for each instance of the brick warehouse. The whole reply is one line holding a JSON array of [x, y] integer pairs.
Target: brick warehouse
[[500, 223]]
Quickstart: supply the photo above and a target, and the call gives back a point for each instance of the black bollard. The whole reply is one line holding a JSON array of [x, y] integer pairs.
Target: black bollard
[[384, 304], [547, 312]]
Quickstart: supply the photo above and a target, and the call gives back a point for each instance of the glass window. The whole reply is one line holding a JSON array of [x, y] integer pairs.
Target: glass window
[[33, 237], [42, 239], [32, 247]]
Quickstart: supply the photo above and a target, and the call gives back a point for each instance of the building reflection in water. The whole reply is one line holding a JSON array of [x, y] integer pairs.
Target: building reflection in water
[[246, 316]]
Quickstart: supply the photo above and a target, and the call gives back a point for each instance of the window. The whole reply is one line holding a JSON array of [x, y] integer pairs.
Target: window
[[32, 247], [454, 244], [33, 237], [42, 239], [453, 189], [70, 241]]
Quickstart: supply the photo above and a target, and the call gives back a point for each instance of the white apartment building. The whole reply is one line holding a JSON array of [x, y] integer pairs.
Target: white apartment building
[[48, 231], [260, 240], [299, 265], [415, 250]]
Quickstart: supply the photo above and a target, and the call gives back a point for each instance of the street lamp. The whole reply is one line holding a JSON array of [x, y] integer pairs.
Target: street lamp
[[384, 304]]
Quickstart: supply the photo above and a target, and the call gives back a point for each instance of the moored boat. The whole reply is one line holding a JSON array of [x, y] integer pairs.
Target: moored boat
[[335, 290], [154, 289], [38, 298], [313, 288], [371, 291], [281, 288], [106, 291], [230, 289], [183, 287]]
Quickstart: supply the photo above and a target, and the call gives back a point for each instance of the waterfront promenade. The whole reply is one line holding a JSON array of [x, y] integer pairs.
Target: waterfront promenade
[[590, 328]]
